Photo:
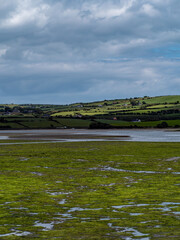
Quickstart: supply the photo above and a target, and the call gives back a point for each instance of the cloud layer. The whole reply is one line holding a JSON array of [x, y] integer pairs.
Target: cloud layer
[[67, 51]]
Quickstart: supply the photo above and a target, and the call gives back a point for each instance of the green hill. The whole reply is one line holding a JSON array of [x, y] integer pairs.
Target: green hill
[[130, 112]]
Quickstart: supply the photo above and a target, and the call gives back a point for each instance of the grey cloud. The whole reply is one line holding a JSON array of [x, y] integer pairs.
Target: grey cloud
[[90, 49]]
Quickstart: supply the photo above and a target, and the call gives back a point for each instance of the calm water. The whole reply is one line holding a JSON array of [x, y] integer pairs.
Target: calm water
[[149, 135], [135, 135]]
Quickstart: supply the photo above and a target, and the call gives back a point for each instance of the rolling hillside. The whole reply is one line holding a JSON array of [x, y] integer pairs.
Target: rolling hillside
[[133, 112]]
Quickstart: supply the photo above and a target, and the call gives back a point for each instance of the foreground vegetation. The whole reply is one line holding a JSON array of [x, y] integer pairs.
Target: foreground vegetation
[[94, 190], [138, 112]]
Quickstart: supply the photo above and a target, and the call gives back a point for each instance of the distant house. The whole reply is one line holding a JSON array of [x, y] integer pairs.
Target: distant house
[[78, 106], [16, 110], [7, 113], [137, 120], [78, 115]]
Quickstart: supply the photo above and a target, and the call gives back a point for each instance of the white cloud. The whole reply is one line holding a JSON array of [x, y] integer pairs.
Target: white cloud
[[109, 10], [26, 13], [149, 10], [3, 51]]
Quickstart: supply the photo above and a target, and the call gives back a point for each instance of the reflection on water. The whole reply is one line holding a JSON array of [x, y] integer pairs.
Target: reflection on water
[[148, 135]]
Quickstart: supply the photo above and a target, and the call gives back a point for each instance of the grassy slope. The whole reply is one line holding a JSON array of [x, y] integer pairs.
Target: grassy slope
[[121, 105], [163, 99], [165, 108], [78, 123], [44, 123], [171, 123]]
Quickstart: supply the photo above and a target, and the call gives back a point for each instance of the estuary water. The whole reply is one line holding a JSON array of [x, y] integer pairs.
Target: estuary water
[[149, 135], [69, 135]]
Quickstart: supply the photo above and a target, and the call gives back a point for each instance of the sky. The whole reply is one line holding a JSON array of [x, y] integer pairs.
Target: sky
[[65, 51]]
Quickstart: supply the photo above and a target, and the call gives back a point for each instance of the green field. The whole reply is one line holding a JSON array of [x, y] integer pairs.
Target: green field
[[150, 124], [57, 123], [94, 190], [147, 111], [43, 123], [163, 99], [135, 105]]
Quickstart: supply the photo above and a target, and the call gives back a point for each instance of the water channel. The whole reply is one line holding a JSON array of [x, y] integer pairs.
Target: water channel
[[71, 135]]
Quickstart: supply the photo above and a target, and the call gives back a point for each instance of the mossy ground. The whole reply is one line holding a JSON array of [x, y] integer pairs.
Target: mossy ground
[[90, 190]]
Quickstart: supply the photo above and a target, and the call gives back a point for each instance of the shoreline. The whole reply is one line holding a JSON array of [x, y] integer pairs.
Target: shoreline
[[143, 135]]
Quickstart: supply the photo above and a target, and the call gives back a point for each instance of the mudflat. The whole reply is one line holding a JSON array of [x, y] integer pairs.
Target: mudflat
[[90, 190], [59, 134], [140, 135]]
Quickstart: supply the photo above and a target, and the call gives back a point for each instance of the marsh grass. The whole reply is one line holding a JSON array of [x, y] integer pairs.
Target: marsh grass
[[90, 190]]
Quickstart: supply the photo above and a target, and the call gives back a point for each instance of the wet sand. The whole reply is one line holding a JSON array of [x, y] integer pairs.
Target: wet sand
[[144, 135], [59, 135]]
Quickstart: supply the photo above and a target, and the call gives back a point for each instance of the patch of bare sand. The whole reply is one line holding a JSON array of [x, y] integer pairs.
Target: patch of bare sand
[[60, 135], [56, 137]]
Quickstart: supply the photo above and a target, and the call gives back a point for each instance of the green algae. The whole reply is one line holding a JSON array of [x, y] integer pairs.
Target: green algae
[[90, 190]]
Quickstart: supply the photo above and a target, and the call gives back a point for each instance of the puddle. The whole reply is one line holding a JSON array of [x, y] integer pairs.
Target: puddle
[[131, 171], [126, 155], [81, 160], [8, 203], [136, 214], [173, 159], [37, 173], [16, 233], [146, 238], [59, 193], [167, 208], [131, 180], [159, 236], [66, 215], [169, 203], [20, 208], [24, 159], [176, 213], [105, 219], [175, 172], [108, 185], [164, 209], [74, 209], [33, 214], [134, 232], [63, 201], [130, 205], [45, 226]]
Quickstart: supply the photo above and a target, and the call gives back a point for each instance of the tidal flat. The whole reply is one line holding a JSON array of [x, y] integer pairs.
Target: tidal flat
[[90, 190]]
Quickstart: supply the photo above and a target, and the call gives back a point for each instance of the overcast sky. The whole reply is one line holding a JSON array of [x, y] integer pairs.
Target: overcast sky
[[64, 51]]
